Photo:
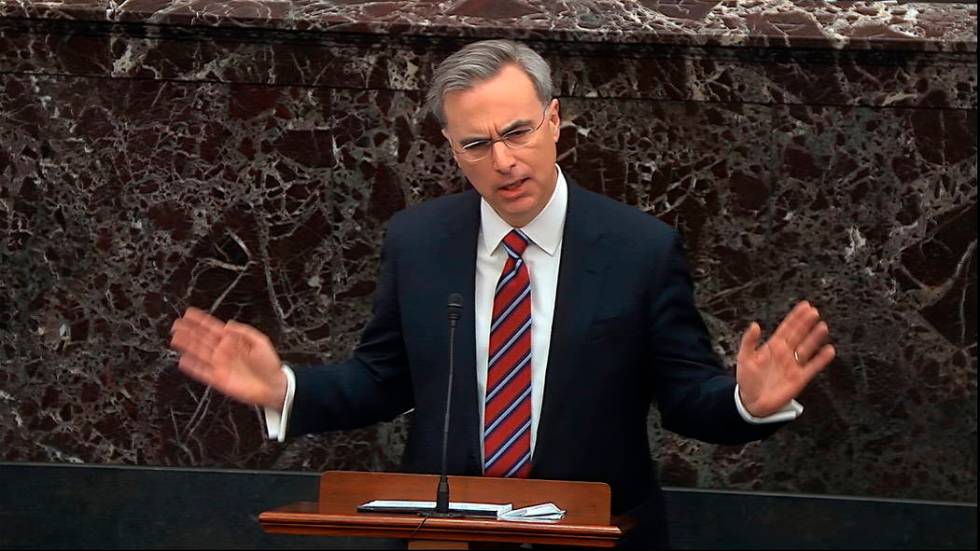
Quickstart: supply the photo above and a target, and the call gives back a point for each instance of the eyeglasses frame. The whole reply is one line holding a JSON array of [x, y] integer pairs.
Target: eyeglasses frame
[[462, 153]]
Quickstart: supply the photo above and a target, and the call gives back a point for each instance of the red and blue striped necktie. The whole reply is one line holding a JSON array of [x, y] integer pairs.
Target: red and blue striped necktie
[[507, 417]]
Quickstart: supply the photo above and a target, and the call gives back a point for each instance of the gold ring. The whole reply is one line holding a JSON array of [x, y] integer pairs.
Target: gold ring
[[797, 356]]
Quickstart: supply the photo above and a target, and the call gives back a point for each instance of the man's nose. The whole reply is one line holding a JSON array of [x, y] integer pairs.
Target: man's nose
[[502, 157]]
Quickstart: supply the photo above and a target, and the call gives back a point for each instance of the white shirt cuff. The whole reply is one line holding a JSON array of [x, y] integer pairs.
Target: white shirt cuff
[[790, 411], [275, 421]]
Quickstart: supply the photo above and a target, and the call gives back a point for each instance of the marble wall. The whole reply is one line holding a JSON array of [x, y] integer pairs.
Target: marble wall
[[244, 158]]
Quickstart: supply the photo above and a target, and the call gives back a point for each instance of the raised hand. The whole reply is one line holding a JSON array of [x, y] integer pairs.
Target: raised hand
[[771, 375], [233, 358]]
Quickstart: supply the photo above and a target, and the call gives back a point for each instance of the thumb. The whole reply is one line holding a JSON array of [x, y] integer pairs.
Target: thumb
[[750, 339]]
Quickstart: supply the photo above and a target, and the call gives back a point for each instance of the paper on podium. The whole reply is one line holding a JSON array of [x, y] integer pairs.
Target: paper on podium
[[546, 512], [493, 510]]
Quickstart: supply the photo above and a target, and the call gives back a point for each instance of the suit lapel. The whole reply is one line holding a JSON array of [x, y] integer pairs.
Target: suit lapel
[[579, 276], [458, 267]]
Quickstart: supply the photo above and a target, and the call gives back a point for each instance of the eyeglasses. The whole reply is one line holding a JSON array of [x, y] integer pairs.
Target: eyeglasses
[[516, 138]]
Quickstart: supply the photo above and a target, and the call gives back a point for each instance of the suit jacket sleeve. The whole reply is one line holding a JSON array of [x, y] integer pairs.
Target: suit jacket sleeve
[[694, 393], [374, 384]]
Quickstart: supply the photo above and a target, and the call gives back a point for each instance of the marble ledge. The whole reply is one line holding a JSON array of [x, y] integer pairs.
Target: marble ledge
[[921, 26]]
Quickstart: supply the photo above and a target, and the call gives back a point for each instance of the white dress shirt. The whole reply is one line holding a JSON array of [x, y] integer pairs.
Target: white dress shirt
[[543, 258]]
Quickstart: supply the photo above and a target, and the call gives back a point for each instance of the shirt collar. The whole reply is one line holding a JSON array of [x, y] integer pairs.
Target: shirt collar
[[545, 230]]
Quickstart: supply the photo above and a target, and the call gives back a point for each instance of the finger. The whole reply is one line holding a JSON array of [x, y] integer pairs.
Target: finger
[[196, 314], [820, 360], [251, 334], [211, 328], [191, 316], [188, 340], [750, 341], [817, 364], [199, 320], [792, 319], [813, 341], [206, 331], [196, 369], [795, 326]]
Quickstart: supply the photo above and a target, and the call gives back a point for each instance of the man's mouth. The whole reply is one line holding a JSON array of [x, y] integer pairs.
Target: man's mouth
[[513, 185]]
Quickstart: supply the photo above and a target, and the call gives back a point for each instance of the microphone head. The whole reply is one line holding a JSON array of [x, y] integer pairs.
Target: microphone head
[[455, 307]]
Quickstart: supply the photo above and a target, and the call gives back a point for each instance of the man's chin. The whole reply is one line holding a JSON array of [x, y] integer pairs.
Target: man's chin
[[517, 212]]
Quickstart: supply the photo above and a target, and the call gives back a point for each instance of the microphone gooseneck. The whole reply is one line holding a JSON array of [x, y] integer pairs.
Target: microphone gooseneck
[[454, 311]]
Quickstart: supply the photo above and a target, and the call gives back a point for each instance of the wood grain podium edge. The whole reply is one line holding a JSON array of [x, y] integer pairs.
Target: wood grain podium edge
[[288, 520]]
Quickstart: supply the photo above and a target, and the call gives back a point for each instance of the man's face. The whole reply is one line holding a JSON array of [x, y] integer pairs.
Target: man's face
[[516, 181]]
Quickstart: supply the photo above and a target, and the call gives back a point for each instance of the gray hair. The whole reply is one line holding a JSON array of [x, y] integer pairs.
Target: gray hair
[[480, 61]]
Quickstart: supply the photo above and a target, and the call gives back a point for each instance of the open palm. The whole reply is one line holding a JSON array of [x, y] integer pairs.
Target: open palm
[[233, 358], [771, 375]]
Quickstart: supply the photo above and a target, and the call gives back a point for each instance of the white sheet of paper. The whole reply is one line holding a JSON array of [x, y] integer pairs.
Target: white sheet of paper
[[545, 512], [498, 508]]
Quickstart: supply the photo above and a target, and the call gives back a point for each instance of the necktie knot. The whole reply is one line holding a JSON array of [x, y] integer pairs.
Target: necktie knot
[[516, 242]]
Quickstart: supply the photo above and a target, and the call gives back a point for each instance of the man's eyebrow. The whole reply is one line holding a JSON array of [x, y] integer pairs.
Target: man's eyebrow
[[505, 130], [514, 126]]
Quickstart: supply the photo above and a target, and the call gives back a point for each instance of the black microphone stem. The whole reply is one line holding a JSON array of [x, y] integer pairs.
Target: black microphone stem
[[453, 311], [442, 494]]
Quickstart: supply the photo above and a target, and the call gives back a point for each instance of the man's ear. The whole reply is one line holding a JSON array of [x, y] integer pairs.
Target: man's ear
[[555, 119], [450, 143]]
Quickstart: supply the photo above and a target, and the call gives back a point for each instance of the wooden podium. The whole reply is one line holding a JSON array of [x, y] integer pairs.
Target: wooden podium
[[586, 522]]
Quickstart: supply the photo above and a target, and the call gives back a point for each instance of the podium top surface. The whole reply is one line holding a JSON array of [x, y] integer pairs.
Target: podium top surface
[[586, 522]]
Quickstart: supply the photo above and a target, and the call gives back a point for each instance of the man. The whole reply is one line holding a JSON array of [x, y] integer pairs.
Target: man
[[579, 313]]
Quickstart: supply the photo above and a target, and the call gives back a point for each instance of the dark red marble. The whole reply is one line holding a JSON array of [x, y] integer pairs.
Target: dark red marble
[[767, 23]]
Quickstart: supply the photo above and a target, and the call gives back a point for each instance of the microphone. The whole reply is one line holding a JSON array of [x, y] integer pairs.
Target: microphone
[[453, 310]]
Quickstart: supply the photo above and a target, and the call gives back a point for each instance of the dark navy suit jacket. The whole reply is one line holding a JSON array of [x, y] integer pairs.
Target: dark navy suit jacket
[[626, 333]]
